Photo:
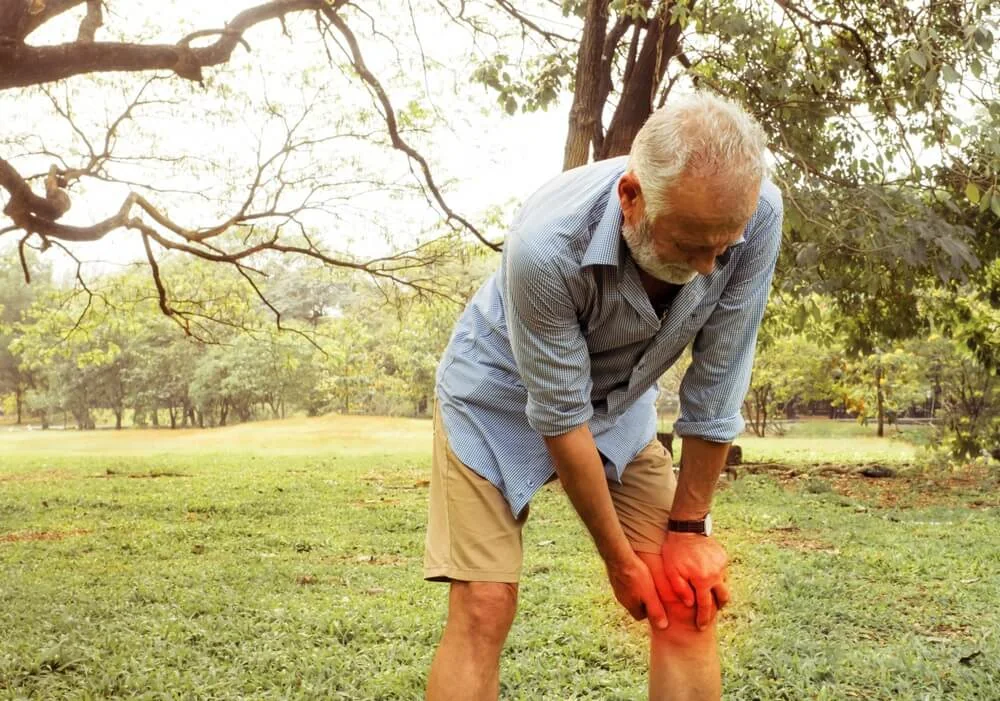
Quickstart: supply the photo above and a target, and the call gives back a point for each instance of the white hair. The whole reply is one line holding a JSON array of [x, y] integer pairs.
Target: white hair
[[697, 134]]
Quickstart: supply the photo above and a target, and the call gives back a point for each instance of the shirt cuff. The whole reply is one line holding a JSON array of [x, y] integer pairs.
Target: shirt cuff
[[718, 430], [554, 421]]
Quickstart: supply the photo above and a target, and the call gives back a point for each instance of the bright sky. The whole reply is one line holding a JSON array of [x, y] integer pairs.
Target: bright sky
[[481, 158]]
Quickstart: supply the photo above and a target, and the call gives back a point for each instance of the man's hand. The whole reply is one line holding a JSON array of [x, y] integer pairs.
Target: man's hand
[[635, 590], [694, 567]]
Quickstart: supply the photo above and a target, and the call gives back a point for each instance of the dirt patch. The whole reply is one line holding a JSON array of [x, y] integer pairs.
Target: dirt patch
[[974, 487], [381, 560], [965, 489], [791, 537], [40, 535], [152, 474], [375, 503], [945, 632], [39, 476]]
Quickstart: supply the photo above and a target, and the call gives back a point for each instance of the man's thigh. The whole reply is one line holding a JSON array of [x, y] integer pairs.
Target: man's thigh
[[644, 497], [472, 536]]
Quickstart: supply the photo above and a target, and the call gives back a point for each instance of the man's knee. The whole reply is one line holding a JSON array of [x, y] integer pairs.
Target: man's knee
[[683, 628], [482, 610]]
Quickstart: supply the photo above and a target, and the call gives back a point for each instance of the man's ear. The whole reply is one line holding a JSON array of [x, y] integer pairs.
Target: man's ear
[[629, 196]]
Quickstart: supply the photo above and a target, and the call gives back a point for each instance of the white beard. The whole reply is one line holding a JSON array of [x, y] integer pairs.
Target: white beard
[[640, 242]]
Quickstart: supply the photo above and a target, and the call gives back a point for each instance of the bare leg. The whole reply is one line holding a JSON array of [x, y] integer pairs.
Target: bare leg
[[683, 661], [467, 663]]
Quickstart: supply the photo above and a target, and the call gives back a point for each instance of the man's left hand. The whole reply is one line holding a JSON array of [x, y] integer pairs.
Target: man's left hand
[[694, 567]]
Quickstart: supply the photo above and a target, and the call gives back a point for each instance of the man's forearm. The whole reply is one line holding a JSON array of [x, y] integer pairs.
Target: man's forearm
[[703, 463], [581, 472]]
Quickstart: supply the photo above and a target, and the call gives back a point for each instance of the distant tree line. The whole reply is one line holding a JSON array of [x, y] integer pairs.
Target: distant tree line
[[350, 346]]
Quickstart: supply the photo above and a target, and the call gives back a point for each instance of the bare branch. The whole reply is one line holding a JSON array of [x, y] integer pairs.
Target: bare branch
[[24, 261], [30, 21], [23, 199], [22, 65], [390, 119], [551, 37], [92, 22]]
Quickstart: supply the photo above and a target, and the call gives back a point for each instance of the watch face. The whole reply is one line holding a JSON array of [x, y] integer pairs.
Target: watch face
[[708, 524]]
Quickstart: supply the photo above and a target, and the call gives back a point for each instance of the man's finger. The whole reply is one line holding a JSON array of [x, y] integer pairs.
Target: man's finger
[[654, 607], [682, 589], [663, 588], [721, 592], [706, 607]]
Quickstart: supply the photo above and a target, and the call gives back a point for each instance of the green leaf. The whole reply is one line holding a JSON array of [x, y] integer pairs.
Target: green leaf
[[976, 67], [949, 74], [510, 105], [984, 201], [917, 57], [995, 205], [972, 192], [984, 37]]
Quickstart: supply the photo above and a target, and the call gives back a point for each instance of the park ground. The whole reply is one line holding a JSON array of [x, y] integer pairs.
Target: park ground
[[281, 560]]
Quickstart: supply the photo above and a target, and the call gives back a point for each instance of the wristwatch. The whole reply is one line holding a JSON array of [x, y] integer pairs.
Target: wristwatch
[[702, 527]]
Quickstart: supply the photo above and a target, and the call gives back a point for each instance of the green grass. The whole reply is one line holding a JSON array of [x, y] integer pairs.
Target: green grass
[[811, 441], [282, 560]]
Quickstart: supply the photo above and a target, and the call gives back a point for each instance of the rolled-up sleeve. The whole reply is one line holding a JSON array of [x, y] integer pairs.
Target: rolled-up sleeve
[[546, 340], [715, 385]]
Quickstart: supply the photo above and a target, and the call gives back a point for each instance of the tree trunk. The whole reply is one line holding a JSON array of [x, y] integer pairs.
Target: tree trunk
[[643, 79], [19, 402], [879, 399], [118, 419], [587, 105], [172, 413], [156, 417]]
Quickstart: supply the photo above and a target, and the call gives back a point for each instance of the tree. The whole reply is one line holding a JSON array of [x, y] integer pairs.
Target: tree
[[15, 299], [276, 194], [858, 97], [789, 370], [964, 349]]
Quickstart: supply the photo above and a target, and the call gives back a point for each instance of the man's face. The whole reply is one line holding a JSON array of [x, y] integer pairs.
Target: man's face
[[704, 218]]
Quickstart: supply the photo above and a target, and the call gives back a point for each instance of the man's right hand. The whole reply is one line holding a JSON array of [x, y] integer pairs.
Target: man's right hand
[[634, 588]]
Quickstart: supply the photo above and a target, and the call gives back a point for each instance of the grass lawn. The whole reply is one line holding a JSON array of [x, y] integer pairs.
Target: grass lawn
[[282, 560]]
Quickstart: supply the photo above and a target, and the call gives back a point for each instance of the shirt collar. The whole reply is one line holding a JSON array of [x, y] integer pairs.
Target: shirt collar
[[606, 241]]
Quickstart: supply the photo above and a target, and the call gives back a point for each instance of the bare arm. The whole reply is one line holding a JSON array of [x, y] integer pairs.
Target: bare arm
[[581, 473], [703, 463]]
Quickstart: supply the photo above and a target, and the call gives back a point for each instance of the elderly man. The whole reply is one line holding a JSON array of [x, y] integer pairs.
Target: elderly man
[[609, 272]]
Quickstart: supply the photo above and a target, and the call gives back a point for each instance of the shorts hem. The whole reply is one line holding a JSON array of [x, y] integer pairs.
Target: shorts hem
[[446, 573], [647, 548]]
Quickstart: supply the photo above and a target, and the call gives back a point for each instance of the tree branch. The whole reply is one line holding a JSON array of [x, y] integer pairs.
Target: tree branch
[[92, 22], [22, 65], [50, 10], [551, 37], [389, 115]]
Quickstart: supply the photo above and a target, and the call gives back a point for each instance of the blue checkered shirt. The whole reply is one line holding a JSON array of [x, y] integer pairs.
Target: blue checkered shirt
[[563, 334]]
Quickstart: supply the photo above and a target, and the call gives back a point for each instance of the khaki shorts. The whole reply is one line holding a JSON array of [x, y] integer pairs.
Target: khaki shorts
[[472, 535]]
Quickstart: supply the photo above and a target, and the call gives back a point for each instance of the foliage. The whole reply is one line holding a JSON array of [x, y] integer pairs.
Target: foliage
[[792, 369], [346, 344]]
